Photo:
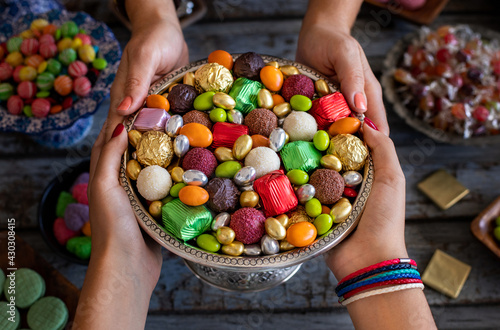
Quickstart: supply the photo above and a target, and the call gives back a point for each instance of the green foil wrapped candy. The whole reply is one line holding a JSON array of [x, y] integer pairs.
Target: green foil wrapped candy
[[244, 92], [300, 155], [185, 222]]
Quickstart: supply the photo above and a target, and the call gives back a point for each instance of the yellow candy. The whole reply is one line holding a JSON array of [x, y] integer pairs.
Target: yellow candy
[[39, 24], [27, 34], [27, 73], [77, 43], [14, 59], [64, 44], [86, 53], [42, 67]]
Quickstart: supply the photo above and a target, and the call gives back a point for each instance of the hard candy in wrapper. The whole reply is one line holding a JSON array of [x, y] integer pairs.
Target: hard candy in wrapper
[[155, 148], [350, 150], [213, 77]]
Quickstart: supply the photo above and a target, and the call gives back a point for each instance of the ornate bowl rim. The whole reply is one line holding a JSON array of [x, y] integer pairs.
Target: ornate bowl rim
[[391, 61], [241, 263], [109, 48]]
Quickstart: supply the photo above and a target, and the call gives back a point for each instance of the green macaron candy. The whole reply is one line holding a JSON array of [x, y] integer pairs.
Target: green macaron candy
[[48, 313], [2, 280], [10, 319], [30, 286]]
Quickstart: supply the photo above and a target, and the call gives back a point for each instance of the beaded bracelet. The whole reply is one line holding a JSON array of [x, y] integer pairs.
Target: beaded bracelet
[[382, 291], [379, 265], [382, 283], [340, 286]]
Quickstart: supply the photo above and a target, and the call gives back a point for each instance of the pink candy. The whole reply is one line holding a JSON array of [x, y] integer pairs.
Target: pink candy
[[46, 38], [151, 119], [62, 233], [82, 86], [84, 38], [80, 193], [40, 108], [15, 105], [26, 89], [5, 71], [29, 47], [48, 50], [77, 69]]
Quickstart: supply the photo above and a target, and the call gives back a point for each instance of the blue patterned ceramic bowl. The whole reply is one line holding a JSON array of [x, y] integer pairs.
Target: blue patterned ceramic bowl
[[109, 49]]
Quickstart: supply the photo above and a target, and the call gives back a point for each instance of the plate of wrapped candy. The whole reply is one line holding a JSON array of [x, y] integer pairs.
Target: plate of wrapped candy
[[245, 161], [446, 83], [55, 68]]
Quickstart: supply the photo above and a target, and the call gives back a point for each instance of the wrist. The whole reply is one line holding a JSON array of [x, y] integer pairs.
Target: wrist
[[151, 12]]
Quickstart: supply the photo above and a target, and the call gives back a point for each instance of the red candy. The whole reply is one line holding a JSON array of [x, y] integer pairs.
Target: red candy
[[329, 109], [15, 105], [349, 192], [225, 134], [84, 38], [248, 225], [276, 193], [63, 85], [48, 50], [77, 69], [15, 74], [80, 193], [82, 86], [29, 47], [47, 38], [62, 233], [40, 108], [26, 89], [67, 102], [297, 85], [5, 71]]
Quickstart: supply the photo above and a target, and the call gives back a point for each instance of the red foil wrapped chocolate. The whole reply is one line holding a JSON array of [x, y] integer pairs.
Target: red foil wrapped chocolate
[[329, 109], [225, 134], [276, 193]]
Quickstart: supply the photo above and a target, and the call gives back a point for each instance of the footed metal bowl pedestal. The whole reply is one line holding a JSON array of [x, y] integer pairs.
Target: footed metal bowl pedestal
[[242, 280], [243, 273]]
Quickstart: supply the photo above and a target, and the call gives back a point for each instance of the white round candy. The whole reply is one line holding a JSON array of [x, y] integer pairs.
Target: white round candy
[[300, 126], [263, 159], [154, 183]]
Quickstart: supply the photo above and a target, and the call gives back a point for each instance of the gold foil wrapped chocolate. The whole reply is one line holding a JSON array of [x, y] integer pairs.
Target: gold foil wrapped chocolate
[[213, 77], [350, 150], [299, 215], [155, 148]]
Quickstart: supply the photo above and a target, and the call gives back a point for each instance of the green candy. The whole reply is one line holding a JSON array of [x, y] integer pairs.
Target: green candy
[[57, 35], [54, 66], [174, 191], [43, 94], [218, 115], [6, 313], [321, 140], [298, 177], [65, 198], [45, 81], [227, 169], [14, 44], [6, 91], [27, 111], [167, 199], [208, 243], [67, 56], [244, 91], [30, 286], [183, 221], [204, 102], [323, 223], [80, 246], [48, 313], [99, 64], [300, 103], [313, 207], [69, 29], [496, 233], [300, 155]]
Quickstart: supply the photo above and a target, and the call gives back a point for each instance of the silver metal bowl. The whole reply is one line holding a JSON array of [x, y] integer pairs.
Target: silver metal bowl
[[243, 273]]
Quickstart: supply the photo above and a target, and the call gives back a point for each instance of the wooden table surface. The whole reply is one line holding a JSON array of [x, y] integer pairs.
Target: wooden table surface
[[307, 300]]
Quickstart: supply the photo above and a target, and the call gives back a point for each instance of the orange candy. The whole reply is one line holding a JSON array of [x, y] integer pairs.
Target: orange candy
[[272, 78], [301, 234], [198, 135], [50, 29], [347, 125], [56, 109], [278, 99], [259, 141], [157, 101], [325, 209], [86, 229], [222, 57], [63, 85], [193, 195], [34, 61]]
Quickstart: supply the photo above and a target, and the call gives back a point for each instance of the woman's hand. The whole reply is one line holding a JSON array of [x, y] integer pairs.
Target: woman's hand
[[380, 233]]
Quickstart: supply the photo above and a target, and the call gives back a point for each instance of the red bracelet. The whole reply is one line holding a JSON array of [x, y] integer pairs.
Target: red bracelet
[[379, 265], [374, 285]]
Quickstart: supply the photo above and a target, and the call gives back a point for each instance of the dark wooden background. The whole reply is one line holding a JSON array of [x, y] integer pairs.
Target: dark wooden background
[[306, 301]]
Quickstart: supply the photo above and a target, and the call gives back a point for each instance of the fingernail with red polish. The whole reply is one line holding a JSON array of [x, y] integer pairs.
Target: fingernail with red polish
[[119, 128], [370, 123], [360, 101], [125, 104]]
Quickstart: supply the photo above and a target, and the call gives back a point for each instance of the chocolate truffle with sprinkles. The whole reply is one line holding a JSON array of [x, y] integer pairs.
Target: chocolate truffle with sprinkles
[[223, 195], [248, 225], [200, 159], [329, 185], [297, 85], [181, 98], [248, 65], [261, 121], [195, 116]]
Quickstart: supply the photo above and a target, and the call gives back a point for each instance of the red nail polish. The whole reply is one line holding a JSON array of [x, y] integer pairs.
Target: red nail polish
[[370, 123], [125, 104], [119, 128], [360, 101]]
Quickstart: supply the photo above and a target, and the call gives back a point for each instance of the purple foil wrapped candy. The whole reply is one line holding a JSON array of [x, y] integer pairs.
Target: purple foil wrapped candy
[[76, 215], [151, 119]]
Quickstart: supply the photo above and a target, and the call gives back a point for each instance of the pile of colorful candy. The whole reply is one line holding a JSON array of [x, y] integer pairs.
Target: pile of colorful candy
[[271, 152], [72, 211], [451, 79], [24, 289], [45, 69]]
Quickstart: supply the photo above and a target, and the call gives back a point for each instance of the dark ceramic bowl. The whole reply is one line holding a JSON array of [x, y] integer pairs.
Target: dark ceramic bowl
[[47, 208]]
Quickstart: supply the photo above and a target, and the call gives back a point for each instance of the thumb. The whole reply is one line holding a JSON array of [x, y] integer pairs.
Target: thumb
[[108, 166], [350, 73]]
